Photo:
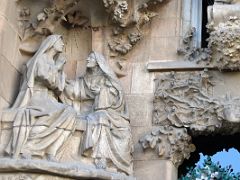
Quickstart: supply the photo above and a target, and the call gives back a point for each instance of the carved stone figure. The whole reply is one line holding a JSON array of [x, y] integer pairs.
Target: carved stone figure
[[41, 124], [107, 138]]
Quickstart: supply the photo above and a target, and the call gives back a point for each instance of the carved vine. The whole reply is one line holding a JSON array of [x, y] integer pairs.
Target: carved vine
[[170, 143], [184, 100], [184, 105], [127, 18], [191, 53], [224, 43], [223, 49], [67, 13], [59, 12], [124, 19]]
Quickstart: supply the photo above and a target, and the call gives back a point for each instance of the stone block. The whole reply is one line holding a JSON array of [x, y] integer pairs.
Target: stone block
[[170, 9], [3, 103], [8, 39], [155, 170], [165, 27], [136, 55], [225, 84], [70, 69], [75, 49], [164, 48], [140, 107], [126, 81], [9, 11], [142, 80], [10, 79]]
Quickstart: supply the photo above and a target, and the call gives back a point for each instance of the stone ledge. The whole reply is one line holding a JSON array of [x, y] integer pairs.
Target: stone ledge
[[71, 170], [177, 65]]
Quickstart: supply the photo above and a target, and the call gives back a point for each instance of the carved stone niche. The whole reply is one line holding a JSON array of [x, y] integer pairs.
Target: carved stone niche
[[184, 106], [66, 128]]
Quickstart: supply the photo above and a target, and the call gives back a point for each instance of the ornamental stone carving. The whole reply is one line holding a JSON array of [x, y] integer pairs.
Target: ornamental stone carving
[[184, 105], [224, 45], [75, 128], [223, 27], [127, 18], [169, 143], [184, 100]]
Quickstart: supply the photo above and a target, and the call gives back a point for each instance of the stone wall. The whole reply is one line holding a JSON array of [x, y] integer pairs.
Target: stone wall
[[160, 43], [10, 63]]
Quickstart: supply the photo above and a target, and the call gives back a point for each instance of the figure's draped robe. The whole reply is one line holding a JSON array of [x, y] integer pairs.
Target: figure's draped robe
[[43, 125], [108, 133]]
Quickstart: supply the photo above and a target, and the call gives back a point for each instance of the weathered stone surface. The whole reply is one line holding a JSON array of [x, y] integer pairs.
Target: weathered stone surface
[[224, 44], [71, 170], [140, 108], [155, 170], [169, 143], [10, 79], [9, 40], [177, 65], [44, 119], [164, 48], [165, 27], [142, 80], [9, 11]]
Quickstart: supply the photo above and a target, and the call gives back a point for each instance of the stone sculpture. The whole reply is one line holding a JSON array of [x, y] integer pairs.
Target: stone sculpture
[[170, 143], [184, 105], [41, 124], [184, 100], [43, 120], [107, 138]]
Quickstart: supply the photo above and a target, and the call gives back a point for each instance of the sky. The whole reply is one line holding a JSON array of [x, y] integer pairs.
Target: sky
[[225, 158]]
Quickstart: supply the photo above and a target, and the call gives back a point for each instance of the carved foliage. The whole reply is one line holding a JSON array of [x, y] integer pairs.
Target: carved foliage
[[170, 143], [224, 43], [184, 100], [191, 53], [127, 15]]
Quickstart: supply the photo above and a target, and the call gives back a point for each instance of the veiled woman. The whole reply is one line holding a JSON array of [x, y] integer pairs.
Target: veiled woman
[[107, 138], [41, 124]]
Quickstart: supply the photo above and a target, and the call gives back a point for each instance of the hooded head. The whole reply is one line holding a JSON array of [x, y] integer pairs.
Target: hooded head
[[28, 74]]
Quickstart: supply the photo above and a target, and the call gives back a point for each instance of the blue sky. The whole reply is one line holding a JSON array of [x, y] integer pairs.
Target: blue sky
[[225, 158]]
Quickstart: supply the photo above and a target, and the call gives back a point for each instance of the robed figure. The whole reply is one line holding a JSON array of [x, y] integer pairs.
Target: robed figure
[[41, 124], [107, 138]]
